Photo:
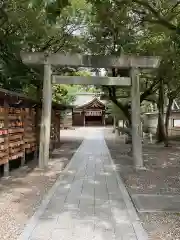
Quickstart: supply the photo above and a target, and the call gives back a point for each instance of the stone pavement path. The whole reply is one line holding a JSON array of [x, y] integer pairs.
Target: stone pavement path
[[89, 202]]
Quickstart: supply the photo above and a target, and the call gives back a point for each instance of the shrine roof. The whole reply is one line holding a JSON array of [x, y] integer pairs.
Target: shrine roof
[[84, 99]]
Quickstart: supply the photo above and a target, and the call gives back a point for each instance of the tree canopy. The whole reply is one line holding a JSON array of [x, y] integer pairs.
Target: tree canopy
[[141, 27], [35, 26]]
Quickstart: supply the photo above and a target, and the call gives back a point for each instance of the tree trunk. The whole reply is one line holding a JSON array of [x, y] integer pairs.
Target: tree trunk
[[168, 114], [115, 125], [161, 134]]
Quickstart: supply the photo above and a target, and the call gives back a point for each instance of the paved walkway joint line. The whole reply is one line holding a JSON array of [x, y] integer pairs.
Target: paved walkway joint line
[[89, 202]]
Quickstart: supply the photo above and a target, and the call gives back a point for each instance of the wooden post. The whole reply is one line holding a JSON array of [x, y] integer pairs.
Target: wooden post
[[6, 123], [84, 115], [136, 121], [23, 117], [37, 126], [58, 128], [104, 118], [46, 117], [114, 124]]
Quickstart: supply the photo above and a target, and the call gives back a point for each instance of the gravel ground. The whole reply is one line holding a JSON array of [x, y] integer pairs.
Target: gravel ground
[[161, 177], [22, 193]]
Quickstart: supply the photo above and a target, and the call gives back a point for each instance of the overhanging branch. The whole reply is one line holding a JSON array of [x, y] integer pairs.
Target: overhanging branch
[[113, 98], [149, 91]]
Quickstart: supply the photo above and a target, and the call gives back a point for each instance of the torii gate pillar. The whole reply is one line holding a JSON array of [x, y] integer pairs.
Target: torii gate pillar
[[136, 120], [46, 117]]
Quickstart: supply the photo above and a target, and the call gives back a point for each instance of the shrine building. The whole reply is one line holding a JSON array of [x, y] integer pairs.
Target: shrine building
[[89, 110]]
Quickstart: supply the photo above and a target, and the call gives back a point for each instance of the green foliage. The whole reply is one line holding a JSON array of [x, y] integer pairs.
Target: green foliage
[[35, 25], [52, 8], [162, 14], [64, 94], [109, 31]]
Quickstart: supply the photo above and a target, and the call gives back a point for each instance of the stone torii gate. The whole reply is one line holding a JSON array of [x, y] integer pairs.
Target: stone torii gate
[[133, 64]]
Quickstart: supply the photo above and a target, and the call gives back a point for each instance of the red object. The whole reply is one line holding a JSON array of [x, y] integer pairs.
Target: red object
[[3, 132]]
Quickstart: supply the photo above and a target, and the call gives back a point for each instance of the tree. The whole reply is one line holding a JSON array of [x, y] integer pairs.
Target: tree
[[65, 94], [25, 26], [164, 13]]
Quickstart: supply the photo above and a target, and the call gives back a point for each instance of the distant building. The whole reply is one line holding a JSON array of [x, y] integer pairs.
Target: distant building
[[89, 110]]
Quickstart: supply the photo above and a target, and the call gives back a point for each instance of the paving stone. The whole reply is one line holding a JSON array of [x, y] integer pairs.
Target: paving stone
[[101, 194], [44, 229], [86, 211], [117, 205], [120, 216], [62, 234], [63, 190], [40, 238], [66, 223], [71, 207], [55, 208], [49, 214], [129, 238], [56, 203], [102, 213], [103, 234], [86, 200], [125, 230], [104, 224], [68, 178]]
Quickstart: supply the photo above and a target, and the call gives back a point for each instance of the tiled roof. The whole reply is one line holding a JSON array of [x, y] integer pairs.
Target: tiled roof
[[85, 98]]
